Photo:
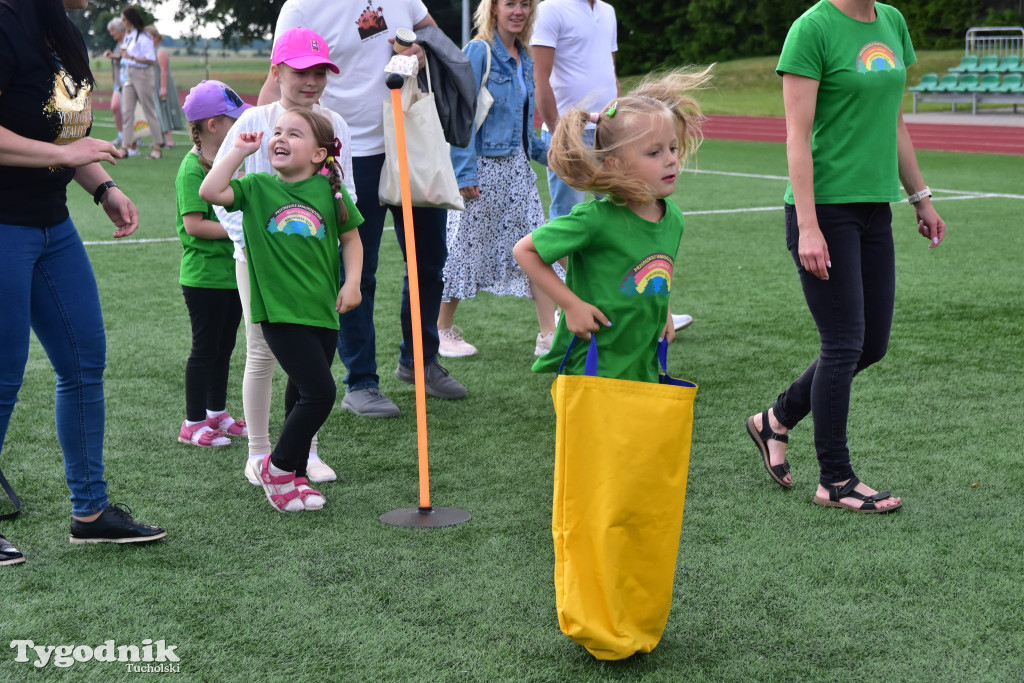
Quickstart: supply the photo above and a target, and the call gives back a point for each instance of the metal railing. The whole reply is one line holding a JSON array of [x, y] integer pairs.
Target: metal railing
[[995, 40]]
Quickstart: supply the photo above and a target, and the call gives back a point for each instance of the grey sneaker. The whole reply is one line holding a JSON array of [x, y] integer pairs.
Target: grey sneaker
[[369, 402], [439, 383]]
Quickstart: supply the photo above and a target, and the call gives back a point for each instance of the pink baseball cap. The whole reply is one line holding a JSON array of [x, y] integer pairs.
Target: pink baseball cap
[[301, 48], [212, 98]]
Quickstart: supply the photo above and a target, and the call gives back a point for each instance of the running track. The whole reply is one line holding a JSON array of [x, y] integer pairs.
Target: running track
[[943, 137]]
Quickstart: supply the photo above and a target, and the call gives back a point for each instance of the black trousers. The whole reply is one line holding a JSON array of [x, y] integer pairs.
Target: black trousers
[[853, 312], [306, 353], [215, 315]]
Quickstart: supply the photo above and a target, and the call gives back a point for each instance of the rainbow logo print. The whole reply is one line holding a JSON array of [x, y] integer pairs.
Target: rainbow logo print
[[651, 277], [297, 219], [877, 56]]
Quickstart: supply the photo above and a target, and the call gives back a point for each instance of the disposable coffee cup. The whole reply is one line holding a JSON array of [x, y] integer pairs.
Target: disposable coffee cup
[[404, 38]]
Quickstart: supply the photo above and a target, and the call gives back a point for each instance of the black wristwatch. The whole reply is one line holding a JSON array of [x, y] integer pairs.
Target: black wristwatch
[[97, 196]]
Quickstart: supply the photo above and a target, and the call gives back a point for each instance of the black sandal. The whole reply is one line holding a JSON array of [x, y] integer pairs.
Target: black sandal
[[761, 438], [836, 492]]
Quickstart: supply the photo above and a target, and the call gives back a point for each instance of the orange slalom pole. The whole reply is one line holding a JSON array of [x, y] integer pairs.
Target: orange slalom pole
[[414, 299]]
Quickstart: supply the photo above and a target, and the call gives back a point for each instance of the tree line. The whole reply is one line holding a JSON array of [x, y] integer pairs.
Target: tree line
[[652, 33]]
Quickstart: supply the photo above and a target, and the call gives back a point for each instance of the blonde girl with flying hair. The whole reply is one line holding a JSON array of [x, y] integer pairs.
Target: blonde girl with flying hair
[[621, 249]]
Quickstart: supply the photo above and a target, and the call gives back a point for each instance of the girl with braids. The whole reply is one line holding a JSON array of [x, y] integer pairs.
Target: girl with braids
[[47, 281], [207, 273], [621, 249], [293, 223], [300, 61]]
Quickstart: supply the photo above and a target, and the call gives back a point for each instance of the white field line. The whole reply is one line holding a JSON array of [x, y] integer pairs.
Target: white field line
[[957, 194], [151, 240]]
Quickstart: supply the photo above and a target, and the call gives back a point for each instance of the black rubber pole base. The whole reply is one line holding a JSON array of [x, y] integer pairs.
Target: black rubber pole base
[[425, 518]]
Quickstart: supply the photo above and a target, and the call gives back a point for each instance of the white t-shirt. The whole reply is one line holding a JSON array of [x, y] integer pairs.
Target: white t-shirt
[[584, 38], [264, 119], [138, 44], [357, 36]]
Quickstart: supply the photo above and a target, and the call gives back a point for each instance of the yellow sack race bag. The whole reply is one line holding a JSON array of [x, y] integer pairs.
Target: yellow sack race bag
[[621, 457]]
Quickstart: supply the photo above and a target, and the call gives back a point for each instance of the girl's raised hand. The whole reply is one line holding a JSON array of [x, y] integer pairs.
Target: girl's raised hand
[[249, 142], [582, 319]]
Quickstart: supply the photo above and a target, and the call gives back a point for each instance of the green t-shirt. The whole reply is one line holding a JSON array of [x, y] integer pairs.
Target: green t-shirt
[[204, 263], [621, 264], [861, 70], [291, 246]]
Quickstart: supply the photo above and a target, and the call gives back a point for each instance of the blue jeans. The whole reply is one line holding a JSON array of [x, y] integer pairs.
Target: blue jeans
[[48, 286], [357, 341], [853, 312], [563, 197]]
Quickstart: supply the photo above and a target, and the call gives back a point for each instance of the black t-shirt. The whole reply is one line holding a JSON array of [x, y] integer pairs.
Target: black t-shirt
[[38, 100]]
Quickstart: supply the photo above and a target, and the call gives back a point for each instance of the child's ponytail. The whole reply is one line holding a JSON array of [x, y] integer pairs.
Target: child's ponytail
[[334, 174], [587, 169], [571, 158], [195, 127]]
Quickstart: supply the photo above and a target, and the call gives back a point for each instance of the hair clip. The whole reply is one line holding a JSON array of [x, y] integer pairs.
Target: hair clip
[[611, 110], [337, 148], [595, 116]]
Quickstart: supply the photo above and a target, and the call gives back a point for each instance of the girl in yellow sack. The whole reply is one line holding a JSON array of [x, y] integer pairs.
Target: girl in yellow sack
[[623, 440]]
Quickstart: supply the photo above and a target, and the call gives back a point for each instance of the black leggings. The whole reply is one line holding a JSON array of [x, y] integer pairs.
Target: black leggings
[[853, 312], [215, 315], [306, 353]]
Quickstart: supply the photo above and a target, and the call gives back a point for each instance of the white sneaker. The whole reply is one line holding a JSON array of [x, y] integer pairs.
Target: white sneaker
[[543, 343], [452, 344], [681, 321], [252, 469], [318, 471]]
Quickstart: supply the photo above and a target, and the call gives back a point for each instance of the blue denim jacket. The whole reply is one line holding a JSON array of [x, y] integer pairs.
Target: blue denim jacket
[[502, 131]]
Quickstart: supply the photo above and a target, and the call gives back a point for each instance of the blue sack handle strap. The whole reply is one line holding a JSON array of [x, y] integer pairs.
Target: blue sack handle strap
[[590, 365], [663, 355]]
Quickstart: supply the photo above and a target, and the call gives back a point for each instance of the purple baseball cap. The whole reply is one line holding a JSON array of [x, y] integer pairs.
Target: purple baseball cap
[[213, 98], [301, 48]]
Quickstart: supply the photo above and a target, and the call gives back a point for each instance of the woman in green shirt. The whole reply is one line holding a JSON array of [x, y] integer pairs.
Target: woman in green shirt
[[843, 69]]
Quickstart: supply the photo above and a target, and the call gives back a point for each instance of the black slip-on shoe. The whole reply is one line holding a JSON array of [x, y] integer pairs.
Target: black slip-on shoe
[[114, 525], [8, 553]]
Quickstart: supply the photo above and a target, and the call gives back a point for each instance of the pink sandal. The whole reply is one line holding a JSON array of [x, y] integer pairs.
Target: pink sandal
[[208, 435], [228, 424], [311, 498], [282, 501]]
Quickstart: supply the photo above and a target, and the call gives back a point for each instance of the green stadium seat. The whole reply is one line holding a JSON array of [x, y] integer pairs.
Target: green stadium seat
[[988, 83], [967, 63], [929, 82], [968, 83], [947, 83], [987, 63], [1012, 83], [1009, 64]]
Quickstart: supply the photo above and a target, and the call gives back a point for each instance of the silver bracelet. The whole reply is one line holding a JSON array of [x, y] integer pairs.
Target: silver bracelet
[[918, 196]]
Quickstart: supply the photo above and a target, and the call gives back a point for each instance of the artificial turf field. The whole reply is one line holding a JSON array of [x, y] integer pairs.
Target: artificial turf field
[[768, 586]]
